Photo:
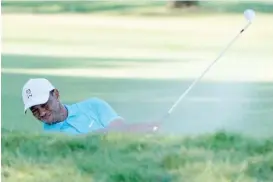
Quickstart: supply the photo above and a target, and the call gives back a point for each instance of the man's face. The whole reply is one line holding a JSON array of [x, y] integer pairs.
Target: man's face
[[48, 112]]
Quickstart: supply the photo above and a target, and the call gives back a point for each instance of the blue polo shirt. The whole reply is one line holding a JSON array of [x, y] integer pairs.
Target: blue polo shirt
[[84, 117]]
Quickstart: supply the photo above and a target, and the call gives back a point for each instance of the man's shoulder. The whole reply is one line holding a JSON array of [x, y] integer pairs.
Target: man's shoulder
[[90, 103]]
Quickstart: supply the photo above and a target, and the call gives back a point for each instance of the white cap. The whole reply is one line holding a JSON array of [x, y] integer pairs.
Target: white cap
[[36, 91]]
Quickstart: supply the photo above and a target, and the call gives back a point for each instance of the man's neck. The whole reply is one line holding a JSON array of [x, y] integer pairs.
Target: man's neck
[[62, 117], [64, 114]]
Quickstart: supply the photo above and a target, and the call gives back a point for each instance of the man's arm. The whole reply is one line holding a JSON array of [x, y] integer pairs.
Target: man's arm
[[119, 125], [114, 123]]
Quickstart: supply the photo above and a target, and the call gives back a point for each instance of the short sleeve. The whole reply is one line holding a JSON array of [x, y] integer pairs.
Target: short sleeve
[[105, 112]]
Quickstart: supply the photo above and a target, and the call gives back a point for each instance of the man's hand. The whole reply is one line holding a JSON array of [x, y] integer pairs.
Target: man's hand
[[120, 126]]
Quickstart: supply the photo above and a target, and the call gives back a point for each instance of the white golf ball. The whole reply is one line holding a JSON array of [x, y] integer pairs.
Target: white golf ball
[[249, 14], [155, 128]]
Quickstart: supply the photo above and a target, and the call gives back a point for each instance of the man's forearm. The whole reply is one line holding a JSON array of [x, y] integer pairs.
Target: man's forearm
[[121, 126]]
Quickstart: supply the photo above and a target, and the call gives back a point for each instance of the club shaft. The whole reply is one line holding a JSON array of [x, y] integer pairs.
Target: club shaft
[[206, 70]]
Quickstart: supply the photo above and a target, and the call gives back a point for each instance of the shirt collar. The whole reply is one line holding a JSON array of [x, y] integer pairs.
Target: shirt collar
[[70, 113]]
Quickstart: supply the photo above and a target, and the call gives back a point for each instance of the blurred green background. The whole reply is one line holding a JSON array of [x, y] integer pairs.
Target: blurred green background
[[140, 56], [135, 7]]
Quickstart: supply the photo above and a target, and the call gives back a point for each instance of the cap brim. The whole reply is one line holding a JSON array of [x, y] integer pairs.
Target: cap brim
[[37, 101]]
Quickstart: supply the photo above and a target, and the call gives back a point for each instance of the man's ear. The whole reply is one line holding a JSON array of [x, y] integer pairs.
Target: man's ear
[[56, 93]]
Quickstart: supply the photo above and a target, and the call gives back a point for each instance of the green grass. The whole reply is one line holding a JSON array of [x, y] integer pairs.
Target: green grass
[[11, 61], [116, 157]]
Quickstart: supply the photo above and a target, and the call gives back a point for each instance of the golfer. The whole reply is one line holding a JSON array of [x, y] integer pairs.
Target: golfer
[[90, 115]]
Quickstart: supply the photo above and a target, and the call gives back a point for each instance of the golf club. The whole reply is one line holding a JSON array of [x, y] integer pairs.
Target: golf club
[[249, 15]]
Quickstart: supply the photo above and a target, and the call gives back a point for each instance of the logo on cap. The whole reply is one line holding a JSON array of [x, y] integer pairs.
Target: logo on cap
[[29, 94]]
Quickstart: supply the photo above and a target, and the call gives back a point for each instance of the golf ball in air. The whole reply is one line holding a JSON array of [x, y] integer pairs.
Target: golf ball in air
[[249, 14]]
